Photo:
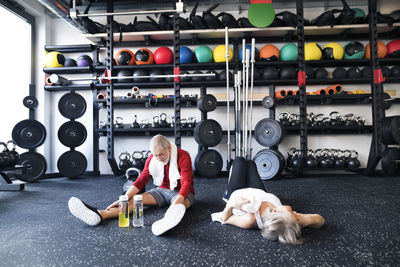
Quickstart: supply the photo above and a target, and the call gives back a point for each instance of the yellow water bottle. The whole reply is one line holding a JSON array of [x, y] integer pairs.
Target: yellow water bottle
[[123, 214]]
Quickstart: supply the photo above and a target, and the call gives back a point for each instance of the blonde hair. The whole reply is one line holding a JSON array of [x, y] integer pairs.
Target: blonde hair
[[159, 141], [280, 225]]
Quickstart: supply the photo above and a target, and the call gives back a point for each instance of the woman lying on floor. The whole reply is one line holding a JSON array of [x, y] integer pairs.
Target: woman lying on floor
[[250, 206]]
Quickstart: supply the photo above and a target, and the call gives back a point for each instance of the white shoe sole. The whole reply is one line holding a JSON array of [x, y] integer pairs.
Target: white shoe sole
[[172, 217], [80, 211]]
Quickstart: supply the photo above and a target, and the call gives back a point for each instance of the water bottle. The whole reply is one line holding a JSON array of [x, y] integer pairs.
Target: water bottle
[[137, 220], [123, 215]]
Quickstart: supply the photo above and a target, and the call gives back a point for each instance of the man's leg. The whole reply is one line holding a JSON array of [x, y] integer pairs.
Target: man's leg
[[237, 176], [253, 178]]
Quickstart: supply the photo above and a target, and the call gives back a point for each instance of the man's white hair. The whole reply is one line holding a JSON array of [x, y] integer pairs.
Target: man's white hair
[[159, 141]]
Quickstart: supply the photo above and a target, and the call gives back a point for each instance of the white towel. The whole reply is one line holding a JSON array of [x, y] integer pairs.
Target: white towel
[[156, 169]]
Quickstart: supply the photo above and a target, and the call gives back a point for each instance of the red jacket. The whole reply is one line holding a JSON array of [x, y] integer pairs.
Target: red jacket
[[185, 184]]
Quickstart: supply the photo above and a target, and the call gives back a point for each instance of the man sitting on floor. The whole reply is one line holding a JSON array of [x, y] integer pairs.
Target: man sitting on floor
[[171, 169]]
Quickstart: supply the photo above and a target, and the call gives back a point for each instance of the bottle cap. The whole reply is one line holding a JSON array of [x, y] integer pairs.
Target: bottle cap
[[137, 198], [123, 198]]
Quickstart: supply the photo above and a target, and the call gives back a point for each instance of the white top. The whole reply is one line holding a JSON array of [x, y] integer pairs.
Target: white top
[[256, 196]]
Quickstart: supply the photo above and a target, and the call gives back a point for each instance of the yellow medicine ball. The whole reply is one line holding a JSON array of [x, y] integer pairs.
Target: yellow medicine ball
[[54, 59], [312, 51], [333, 51], [219, 54]]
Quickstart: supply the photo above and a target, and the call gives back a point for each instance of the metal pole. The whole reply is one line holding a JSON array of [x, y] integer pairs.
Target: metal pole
[[244, 86], [247, 103], [229, 157], [253, 45], [237, 125], [239, 76]]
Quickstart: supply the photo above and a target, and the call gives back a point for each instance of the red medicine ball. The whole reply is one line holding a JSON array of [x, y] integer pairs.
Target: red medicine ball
[[393, 48], [163, 55]]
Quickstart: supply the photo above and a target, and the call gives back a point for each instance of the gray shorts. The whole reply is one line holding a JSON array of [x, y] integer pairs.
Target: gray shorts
[[165, 197]]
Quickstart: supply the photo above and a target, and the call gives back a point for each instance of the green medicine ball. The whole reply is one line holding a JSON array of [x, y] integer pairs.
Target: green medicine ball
[[203, 54], [354, 50], [359, 13], [289, 52]]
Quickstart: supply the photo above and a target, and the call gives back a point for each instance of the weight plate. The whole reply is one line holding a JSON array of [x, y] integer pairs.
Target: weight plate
[[268, 102], [208, 163], [269, 164], [208, 133], [391, 130], [268, 132], [207, 103], [72, 134], [37, 166], [386, 104], [29, 134], [72, 164], [72, 105], [30, 102], [389, 164]]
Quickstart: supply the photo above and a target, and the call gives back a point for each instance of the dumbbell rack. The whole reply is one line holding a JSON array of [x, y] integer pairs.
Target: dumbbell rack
[[6, 184]]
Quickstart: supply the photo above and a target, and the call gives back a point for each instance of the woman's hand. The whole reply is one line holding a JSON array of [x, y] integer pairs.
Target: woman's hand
[[113, 205], [237, 202]]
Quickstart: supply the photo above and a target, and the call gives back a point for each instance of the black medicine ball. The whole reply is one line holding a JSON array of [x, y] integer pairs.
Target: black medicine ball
[[257, 74], [197, 78], [142, 55], [321, 73], [339, 73], [185, 79], [309, 72], [396, 71], [366, 72], [156, 72], [140, 72], [287, 73], [222, 76], [386, 71], [354, 72], [212, 78], [169, 79], [69, 62], [270, 73], [124, 73]]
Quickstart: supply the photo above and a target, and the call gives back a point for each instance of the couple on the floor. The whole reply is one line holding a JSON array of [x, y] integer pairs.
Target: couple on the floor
[[248, 204]]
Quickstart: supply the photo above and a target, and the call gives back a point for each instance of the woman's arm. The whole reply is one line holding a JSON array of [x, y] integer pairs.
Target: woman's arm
[[309, 220]]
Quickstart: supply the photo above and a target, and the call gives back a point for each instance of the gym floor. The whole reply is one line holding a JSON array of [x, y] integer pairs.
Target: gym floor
[[361, 229]]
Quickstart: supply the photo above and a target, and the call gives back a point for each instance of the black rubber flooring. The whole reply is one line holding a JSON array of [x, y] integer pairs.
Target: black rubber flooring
[[362, 227]]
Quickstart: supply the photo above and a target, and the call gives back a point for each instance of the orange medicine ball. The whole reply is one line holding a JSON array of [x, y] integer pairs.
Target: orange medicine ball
[[125, 57], [144, 57], [382, 50], [269, 52]]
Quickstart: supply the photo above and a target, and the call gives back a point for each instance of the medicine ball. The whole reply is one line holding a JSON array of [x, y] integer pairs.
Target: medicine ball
[[156, 72], [321, 73], [382, 50], [396, 71], [269, 52], [289, 52], [354, 50], [312, 51], [333, 51], [393, 48], [140, 72], [359, 16], [339, 73], [125, 73], [353, 72], [257, 74], [197, 78], [309, 72], [168, 79], [69, 62], [203, 54], [248, 47], [219, 54], [185, 55], [270, 73], [212, 78], [125, 57], [386, 71], [84, 61], [185, 79], [222, 76], [54, 59], [366, 72], [163, 55], [144, 57], [287, 72]]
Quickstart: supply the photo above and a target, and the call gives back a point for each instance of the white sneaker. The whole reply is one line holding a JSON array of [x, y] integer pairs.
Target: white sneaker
[[84, 212], [172, 217], [217, 217]]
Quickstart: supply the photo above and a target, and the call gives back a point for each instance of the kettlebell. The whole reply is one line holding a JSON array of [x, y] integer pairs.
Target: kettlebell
[[353, 163], [311, 162], [163, 120], [13, 156], [135, 124], [295, 161], [137, 162], [144, 156], [124, 161], [4, 156], [191, 122], [339, 160]]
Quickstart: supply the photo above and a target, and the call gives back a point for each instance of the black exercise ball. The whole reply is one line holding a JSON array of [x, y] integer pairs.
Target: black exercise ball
[[321, 73], [309, 72], [125, 73], [140, 72], [212, 78], [169, 79], [386, 71], [185, 79], [366, 72], [222, 76], [156, 72], [339, 73], [69, 62], [287, 73], [197, 78], [270, 73], [396, 71], [354, 72], [257, 74]]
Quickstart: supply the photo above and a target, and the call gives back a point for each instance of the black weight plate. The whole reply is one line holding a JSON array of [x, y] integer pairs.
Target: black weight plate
[[268, 102], [208, 133], [208, 163], [29, 134], [269, 164], [391, 130], [268, 132], [37, 166], [72, 105], [386, 104], [30, 102], [207, 103], [72, 134], [72, 164], [389, 164]]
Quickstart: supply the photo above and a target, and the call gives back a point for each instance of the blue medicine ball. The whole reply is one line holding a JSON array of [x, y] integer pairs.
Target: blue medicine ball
[[186, 55], [248, 47]]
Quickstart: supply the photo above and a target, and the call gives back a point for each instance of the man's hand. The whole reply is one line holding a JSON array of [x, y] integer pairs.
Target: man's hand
[[113, 205], [237, 202]]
